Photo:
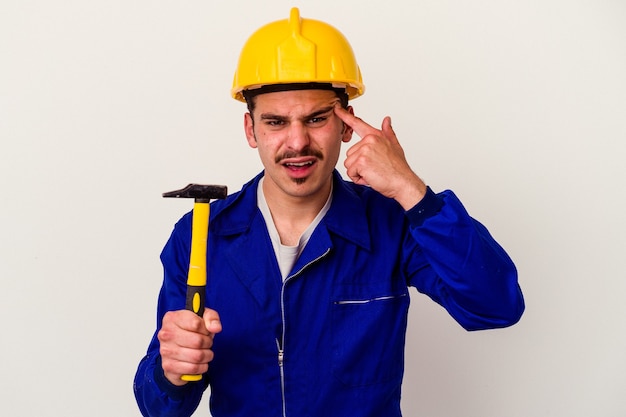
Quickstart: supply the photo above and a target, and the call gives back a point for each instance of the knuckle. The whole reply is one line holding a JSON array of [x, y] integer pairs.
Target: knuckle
[[196, 341], [169, 317], [200, 356], [164, 335], [166, 357], [201, 369], [167, 365]]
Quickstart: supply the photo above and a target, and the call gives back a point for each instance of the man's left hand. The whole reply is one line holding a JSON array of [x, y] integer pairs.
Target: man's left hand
[[378, 161]]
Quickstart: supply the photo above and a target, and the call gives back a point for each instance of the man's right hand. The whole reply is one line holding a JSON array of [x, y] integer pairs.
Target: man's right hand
[[186, 340]]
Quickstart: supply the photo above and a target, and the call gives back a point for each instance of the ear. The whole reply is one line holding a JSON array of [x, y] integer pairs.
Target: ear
[[248, 127], [346, 133]]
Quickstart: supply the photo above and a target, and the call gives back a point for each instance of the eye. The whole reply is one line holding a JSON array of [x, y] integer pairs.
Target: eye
[[274, 122], [317, 119]]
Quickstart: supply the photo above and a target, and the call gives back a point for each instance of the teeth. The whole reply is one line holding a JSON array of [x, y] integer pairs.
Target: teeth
[[300, 164]]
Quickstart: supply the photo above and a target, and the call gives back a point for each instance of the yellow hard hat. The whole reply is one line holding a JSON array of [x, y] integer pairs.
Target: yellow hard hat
[[297, 51]]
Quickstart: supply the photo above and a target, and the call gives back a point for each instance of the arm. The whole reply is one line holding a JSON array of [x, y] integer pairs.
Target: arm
[[461, 266], [181, 344]]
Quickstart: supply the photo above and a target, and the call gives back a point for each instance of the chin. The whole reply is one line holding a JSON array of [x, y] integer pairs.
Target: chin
[[299, 181]]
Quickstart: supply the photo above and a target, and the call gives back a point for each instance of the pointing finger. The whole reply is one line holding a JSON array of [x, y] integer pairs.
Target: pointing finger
[[357, 124]]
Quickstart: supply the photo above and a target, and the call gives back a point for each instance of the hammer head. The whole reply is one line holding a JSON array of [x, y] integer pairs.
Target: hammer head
[[201, 193]]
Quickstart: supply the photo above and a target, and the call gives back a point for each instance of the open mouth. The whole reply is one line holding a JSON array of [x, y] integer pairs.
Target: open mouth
[[299, 168], [298, 164]]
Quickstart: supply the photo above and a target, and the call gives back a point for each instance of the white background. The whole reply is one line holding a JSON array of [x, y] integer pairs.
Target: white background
[[518, 106]]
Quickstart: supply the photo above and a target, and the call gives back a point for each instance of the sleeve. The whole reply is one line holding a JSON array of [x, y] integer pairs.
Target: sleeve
[[155, 395], [454, 260]]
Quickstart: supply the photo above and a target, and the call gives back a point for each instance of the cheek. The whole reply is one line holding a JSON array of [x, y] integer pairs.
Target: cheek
[[266, 148], [332, 151]]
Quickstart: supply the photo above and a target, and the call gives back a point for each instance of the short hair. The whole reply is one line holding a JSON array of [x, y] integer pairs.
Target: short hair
[[250, 95]]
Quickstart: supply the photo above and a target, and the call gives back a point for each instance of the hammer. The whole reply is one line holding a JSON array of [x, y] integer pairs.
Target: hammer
[[196, 277]]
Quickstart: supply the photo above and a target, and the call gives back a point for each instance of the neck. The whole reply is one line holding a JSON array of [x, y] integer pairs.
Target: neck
[[293, 214]]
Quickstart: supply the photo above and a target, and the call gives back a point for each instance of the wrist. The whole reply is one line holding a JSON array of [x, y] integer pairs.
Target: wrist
[[163, 382], [411, 193], [174, 379], [427, 207]]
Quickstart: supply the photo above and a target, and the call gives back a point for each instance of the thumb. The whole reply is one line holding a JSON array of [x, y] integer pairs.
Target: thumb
[[388, 130], [212, 320]]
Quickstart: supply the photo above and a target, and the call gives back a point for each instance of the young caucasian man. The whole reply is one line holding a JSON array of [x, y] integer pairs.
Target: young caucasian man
[[308, 286]]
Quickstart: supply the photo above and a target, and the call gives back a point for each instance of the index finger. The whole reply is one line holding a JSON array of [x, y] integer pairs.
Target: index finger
[[189, 321], [357, 124]]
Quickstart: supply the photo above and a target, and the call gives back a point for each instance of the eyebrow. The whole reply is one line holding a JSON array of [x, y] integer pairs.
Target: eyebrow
[[319, 112], [271, 116]]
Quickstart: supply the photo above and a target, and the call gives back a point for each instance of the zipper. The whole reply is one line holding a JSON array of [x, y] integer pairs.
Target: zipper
[[280, 344], [282, 375]]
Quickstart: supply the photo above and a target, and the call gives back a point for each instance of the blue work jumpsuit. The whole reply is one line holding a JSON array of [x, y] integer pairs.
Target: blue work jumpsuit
[[329, 340]]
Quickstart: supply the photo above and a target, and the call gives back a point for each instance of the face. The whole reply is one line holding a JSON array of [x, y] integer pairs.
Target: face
[[298, 138]]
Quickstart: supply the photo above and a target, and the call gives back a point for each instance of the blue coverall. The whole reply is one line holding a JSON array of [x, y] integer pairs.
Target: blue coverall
[[329, 340]]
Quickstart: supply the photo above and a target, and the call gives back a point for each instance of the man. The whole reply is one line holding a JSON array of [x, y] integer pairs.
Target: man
[[307, 291]]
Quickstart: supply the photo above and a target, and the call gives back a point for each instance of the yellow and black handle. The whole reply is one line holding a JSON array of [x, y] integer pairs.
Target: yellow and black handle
[[196, 277]]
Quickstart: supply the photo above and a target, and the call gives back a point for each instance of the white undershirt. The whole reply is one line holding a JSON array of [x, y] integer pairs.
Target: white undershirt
[[288, 255]]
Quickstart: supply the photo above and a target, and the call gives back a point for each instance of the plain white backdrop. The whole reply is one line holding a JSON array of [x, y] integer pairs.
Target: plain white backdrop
[[518, 106]]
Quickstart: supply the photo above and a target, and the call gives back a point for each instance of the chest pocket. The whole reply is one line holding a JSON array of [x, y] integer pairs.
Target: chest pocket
[[368, 334]]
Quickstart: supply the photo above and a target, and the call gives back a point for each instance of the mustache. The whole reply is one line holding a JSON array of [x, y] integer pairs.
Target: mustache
[[305, 152]]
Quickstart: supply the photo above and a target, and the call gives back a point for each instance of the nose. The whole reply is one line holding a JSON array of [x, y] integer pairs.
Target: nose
[[297, 137]]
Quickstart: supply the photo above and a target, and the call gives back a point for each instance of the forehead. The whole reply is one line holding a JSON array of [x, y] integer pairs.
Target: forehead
[[295, 102]]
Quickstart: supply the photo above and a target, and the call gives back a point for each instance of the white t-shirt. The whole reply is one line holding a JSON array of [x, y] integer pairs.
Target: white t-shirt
[[288, 255]]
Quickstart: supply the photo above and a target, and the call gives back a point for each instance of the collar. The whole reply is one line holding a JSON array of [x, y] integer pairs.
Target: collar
[[346, 217]]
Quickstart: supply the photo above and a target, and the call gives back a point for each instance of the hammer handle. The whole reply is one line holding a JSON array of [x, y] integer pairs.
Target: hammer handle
[[196, 278], [195, 299]]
